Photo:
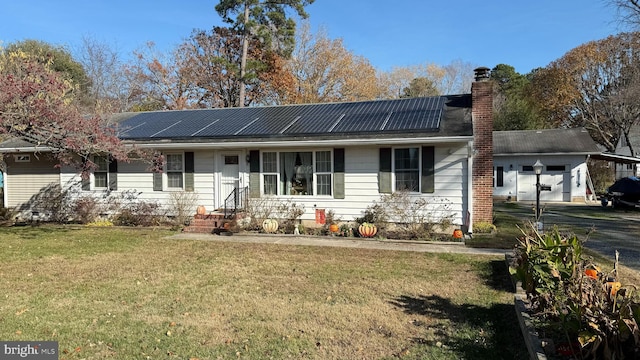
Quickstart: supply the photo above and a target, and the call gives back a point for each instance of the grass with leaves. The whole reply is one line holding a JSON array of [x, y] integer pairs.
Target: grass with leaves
[[132, 293]]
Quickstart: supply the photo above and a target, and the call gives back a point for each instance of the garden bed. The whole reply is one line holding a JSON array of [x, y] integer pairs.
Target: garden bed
[[568, 305]]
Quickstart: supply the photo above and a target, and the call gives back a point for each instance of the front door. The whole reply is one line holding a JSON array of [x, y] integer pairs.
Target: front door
[[230, 177]]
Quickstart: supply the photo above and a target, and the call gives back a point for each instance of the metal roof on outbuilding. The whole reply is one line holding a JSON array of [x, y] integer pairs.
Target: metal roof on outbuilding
[[547, 141]]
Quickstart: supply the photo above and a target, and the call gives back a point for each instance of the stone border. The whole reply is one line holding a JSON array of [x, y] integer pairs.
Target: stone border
[[531, 339]]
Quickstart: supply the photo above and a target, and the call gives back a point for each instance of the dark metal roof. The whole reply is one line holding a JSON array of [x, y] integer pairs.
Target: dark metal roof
[[548, 141], [429, 116]]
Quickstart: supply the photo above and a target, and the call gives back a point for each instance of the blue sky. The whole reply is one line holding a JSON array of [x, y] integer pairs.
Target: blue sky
[[524, 34]]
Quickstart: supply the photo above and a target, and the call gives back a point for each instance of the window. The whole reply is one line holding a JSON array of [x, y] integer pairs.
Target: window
[[22, 158], [499, 176], [407, 169], [323, 172], [556, 168], [292, 173], [174, 166], [270, 170], [296, 173], [101, 173]]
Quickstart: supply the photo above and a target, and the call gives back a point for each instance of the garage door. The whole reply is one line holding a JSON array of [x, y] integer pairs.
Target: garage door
[[558, 176]]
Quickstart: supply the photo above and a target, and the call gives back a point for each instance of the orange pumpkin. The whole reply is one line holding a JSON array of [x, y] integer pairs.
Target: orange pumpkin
[[367, 230], [591, 273], [200, 210], [333, 228], [457, 234]]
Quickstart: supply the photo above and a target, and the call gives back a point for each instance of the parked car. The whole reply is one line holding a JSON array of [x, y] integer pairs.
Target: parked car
[[624, 192]]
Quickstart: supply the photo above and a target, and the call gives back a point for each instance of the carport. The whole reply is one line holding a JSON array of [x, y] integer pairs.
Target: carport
[[617, 160]]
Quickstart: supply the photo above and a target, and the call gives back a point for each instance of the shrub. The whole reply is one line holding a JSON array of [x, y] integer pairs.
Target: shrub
[[7, 216], [140, 213], [86, 209], [567, 291], [408, 215], [287, 213], [182, 203], [100, 223], [483, 227]]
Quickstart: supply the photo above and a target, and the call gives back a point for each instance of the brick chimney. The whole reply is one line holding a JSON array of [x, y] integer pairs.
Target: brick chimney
[[482, 172]]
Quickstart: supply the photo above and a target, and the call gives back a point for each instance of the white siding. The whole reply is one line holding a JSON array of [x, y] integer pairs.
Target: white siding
[[519, 185], [25, 179], [361, 181], [135, 176]]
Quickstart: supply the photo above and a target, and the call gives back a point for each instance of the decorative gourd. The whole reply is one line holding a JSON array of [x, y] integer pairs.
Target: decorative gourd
[[333, 228], [270, 225], [613, 287], [367, 230], [200, 210], [591, 273], [457, 234]]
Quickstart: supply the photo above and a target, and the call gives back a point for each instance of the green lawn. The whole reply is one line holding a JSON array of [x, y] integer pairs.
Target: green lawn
[[133, 294]]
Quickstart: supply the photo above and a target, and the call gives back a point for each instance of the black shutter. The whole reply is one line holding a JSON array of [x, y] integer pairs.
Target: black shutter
[[254, 173], [338, 174], [86, 182], [113, 174], [428, 170], [157, 178], [384, 175], [189, 170]]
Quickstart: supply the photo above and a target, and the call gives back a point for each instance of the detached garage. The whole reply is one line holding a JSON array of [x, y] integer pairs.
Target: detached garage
[[563, 152]]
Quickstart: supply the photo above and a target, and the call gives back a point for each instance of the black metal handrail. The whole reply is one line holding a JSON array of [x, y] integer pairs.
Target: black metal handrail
[[235, 202]]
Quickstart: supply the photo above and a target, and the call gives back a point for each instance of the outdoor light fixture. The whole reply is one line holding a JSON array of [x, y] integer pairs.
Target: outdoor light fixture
[[537, 168]]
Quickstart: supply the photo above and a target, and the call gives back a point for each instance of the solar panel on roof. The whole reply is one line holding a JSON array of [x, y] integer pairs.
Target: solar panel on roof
[[360, 123], [313, 119], [311, 124]]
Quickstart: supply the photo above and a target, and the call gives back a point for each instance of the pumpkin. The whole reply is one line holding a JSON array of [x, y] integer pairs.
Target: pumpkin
[[613, 287], [270, 225], [333, 228], [367, 230], [200, 210], [591, 273], [457, 234]]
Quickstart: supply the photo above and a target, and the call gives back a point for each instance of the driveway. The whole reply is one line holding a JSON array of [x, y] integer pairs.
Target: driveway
[[608, 229]]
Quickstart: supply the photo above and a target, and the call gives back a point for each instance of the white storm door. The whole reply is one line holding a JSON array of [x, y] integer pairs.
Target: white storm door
[[230, 177]]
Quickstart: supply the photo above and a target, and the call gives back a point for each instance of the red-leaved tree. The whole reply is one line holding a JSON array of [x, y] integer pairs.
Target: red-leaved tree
[[37, 105]]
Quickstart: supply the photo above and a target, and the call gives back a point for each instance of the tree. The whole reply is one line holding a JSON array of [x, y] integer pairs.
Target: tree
[[109, 91], [595, 86], [325, 71], [513, 107], [420, 87], [59, 60], [211, 67], [264, 20], [36, 105], [157, 82], [454, 78], [628, 11]]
